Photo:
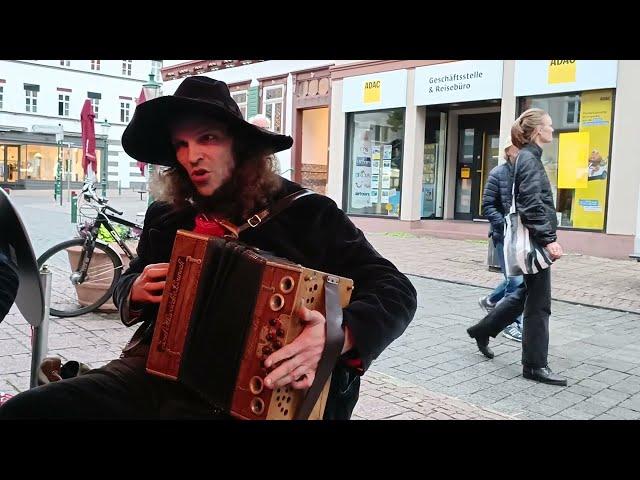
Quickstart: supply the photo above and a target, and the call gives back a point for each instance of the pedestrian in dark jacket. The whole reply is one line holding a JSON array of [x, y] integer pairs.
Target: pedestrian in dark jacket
[[496, 202], [534, 202], [220, 171]]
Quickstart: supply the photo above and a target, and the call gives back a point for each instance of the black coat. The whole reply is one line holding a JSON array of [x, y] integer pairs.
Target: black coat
[[534, 197], [9, 283], [496, 199], [314, 232]]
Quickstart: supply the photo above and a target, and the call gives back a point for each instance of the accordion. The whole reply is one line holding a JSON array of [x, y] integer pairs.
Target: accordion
[[225, 308]]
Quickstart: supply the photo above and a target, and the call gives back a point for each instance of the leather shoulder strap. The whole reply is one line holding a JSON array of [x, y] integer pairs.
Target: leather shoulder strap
[[273, 209]]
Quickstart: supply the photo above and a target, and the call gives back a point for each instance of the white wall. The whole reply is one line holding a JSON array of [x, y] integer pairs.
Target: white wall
[[624, 180], [79, 77]]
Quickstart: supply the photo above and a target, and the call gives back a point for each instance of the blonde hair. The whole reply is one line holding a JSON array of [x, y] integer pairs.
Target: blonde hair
[[524, 128]]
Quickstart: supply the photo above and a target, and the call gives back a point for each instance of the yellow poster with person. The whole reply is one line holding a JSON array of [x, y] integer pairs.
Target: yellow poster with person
[[589, 203]]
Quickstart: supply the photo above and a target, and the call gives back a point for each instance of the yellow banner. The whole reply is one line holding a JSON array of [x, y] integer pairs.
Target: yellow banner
[[372, 91], [573, 160], [562, 71], [589, 203]]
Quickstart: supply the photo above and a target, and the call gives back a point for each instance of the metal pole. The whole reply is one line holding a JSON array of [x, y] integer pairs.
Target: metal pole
[[69, 171], [636, 243], [40, 338], [104, 166]]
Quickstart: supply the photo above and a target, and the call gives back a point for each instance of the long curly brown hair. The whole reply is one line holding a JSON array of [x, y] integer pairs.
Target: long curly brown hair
[[251, 187]]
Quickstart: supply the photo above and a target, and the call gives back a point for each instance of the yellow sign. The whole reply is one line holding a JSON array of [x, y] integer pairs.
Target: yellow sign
[[573, 160], [465, 172], [589, 203], [562, 71], [372, 91], [388, 207]]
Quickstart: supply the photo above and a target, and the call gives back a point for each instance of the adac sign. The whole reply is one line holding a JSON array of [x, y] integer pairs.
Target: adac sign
[[562, 71]]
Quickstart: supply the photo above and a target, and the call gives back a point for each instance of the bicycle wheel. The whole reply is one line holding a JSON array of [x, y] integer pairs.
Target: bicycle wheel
[[104, 270]]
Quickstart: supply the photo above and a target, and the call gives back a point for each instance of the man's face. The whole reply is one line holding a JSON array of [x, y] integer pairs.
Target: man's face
[[204, 149]]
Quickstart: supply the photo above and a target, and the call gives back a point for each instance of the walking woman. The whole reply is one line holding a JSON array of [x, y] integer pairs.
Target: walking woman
[[534, 202]]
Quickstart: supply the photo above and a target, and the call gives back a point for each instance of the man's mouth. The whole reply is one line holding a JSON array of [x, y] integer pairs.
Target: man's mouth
[[199, 175]]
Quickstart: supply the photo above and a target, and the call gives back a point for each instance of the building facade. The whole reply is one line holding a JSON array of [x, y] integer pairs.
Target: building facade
[[412, 143], [41, 97]]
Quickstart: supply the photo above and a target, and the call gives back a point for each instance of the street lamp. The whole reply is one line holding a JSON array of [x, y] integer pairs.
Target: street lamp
[[103, 164], [151, 89]]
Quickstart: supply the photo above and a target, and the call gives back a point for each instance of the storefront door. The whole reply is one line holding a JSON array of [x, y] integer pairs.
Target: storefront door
[[478, 153], [9, 155]]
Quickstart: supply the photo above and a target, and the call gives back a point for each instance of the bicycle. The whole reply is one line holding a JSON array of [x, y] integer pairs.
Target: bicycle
[[86, 269]]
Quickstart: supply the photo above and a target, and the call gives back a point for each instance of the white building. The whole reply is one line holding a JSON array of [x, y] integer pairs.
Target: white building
[[37, 96]]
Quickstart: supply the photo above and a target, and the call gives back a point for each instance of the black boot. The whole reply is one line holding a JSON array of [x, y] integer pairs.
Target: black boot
[[483, 343], [543, 375]]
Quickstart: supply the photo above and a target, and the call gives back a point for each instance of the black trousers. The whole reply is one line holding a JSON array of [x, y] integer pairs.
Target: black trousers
[[534, 299], [123, 390]]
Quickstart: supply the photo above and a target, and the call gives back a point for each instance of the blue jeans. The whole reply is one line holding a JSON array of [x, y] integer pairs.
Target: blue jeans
[[508, 285]]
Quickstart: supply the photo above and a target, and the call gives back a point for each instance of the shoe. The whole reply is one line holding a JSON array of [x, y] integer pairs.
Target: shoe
[[512, 332], [483, 345], [52, 370], [49, 370], [486, 304], [543, 375]]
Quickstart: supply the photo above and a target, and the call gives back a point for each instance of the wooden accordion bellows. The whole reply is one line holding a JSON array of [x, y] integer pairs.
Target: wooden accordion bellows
[[226, 307]]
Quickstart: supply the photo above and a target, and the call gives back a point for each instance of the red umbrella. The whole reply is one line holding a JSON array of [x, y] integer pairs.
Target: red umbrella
[[87, 124], [141, 99]]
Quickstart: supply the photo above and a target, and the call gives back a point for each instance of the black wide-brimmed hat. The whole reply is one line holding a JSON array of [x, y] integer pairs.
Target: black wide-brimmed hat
[[147, 137]]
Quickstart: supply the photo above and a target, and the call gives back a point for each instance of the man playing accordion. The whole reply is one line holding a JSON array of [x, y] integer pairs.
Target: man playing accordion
[[218, 176]]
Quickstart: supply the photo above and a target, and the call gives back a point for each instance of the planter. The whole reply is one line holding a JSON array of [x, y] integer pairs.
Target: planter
[[89, 292]]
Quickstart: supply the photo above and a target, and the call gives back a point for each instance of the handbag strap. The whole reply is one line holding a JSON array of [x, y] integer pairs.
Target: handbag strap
[[272, 210], [513, 186]]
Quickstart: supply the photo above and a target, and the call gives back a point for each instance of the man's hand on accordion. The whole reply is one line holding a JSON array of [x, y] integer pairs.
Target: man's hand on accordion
[[150, 283], [299, 358]]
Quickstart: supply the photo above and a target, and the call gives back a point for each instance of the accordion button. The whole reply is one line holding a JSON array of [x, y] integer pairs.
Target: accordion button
[[277, 344], [280, 332], [267, 350], [272, 322]]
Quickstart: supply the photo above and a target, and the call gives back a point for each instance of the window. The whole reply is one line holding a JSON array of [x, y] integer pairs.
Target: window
[[1, 96], [156, 66], [124, 111], [126, 67], [95, 101], [65, 63], [374, 162], [95, 65], [579, 183], [435, 148], [31, 97], [63, 105], [273, 106], [240, 98]]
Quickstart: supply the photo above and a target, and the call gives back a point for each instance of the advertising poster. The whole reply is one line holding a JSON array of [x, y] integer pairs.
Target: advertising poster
[[588, 207], [386, 152]]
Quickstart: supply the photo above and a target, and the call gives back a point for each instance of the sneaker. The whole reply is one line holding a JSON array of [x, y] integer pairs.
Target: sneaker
[[52, 370], [486, 304], [513, 332]]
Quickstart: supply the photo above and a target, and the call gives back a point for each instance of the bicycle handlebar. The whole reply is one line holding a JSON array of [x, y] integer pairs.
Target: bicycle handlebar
[[117, 212]]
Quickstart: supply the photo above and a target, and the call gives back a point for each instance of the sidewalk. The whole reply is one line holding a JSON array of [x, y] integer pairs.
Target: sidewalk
[[595, 281]]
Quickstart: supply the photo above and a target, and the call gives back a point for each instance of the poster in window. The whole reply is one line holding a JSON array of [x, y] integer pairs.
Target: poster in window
[[386, 167], [386, 152], [361, 185], [384, 197], [374, 180], [589, 203], [375, 164], [375, 152], [386, 181], [374, 196]]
